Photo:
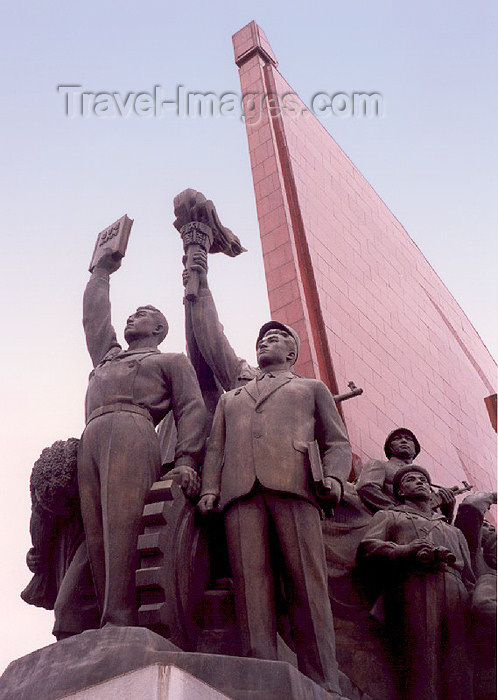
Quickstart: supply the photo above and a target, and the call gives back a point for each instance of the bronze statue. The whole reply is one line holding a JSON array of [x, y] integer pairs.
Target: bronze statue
[[427, 576], [62, 579], [208, 343], [375, 483], [479, 532], [257, 469], [481, 538], [217, 365], [129, 392]]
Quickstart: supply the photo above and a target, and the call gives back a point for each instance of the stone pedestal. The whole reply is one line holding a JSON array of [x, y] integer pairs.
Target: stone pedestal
[[108, 656], [155, 682]]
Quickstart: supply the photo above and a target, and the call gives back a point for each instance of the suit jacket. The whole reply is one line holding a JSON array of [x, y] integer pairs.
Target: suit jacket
[[261, 431]]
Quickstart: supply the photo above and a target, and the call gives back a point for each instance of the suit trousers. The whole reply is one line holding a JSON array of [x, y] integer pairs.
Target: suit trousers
[[265, 528], [118, 461]]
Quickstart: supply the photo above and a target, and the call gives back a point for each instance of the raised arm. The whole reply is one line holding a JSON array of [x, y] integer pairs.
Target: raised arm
[[209, 333], [99, 332]]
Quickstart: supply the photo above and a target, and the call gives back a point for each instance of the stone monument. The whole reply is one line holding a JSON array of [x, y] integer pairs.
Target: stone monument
[[141, 545], [290, 579]]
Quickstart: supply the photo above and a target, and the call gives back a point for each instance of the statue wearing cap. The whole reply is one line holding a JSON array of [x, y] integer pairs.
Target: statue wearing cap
[[257, 469], [427, 577], [375, 483]]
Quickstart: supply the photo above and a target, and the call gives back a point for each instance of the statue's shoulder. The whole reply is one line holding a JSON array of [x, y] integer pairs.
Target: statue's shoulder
[[245, 373], [391, 513], [375, 465], [172, 361], [403, 511], [311, 384], [173, 356]]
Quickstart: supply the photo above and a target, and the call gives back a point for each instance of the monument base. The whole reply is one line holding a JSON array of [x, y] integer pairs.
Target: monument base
[[82, 662], [155, 682]]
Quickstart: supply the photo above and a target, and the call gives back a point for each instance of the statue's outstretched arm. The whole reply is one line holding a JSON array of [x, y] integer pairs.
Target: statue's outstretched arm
[[209, 333], [99, 331]]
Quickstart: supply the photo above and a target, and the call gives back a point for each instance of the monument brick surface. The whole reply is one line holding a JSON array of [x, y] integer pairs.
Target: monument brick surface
[[341, 269]]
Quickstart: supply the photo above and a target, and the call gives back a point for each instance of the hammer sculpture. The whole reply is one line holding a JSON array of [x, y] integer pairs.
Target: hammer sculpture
[[201, 229]]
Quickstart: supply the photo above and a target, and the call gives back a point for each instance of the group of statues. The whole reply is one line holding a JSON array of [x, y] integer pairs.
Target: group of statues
[[267, 449]]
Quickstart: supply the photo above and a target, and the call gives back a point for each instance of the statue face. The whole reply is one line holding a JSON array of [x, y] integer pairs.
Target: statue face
[[414, 486], [402, 446], [274, 348], [141, 324]]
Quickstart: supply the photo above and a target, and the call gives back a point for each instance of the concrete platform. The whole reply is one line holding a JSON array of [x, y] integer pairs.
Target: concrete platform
[[155, 682], [96, 656]]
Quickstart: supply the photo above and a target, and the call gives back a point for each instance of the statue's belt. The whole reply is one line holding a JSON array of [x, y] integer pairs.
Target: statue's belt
[[117, 407]]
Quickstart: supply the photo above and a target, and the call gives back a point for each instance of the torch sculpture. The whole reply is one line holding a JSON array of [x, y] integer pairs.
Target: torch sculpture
[[201, 229]]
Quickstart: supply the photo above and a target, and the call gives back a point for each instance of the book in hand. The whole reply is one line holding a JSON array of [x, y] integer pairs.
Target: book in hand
[[114, 238]]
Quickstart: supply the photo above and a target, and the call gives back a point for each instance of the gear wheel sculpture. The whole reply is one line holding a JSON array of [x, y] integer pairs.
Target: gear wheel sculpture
[[174, 566]]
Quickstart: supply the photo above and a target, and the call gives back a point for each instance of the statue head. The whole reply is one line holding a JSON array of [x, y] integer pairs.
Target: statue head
[[146, 322], [275, 329], [401, 443], [277, 345], [412, 483]]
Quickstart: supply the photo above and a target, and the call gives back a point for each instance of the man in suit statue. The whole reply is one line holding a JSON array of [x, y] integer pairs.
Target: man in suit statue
[[257, 469]]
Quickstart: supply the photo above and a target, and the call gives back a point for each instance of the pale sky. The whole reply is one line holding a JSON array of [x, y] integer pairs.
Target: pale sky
[[431, 157]]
